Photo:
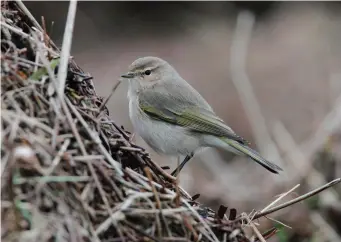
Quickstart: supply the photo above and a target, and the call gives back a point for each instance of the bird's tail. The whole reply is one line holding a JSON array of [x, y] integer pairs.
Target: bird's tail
[[254, 155]]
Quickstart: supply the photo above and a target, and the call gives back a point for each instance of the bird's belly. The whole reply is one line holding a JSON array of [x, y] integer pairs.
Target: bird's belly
[[164, 138]]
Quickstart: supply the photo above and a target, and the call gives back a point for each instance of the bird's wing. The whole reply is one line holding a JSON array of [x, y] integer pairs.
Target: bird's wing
[[184, 111]]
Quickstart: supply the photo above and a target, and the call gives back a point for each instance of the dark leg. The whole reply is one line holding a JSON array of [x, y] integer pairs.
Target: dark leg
[[183, 163]]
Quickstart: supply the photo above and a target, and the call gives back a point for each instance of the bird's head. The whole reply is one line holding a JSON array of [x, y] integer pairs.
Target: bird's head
[[148, 71]]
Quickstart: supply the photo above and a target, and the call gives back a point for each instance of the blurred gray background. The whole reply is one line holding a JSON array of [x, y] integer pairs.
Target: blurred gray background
[[293, 63]]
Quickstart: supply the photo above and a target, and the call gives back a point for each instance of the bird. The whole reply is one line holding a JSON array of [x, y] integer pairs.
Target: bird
[[174, 119]]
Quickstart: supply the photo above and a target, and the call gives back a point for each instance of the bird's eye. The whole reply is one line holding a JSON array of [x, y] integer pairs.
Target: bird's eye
[[147, 72]]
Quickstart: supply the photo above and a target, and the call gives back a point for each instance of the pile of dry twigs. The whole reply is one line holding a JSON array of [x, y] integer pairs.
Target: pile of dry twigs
[[68, 172]]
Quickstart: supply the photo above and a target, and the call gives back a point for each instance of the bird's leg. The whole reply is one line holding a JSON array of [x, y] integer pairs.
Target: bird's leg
[[183, 163]]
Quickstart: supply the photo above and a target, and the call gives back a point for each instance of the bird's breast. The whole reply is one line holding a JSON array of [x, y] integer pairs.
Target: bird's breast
[[164, 138]]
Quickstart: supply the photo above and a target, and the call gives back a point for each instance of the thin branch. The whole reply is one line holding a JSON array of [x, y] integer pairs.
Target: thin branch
[[254, 228], [298, 199], [28, 14], [279, 198], [66, 47], [27, 36], [96, 139], [107, 99]]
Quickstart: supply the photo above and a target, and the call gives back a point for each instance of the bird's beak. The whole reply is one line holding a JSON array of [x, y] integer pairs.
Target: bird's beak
[[128, 75]]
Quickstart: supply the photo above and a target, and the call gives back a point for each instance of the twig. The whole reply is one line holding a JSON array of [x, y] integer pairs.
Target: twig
[[35, 22], [177, 181], [190, 228], [66, 47], [46, 38], [254, 228], [28, 14], [298, 199], [30, 121], [279, 222], [140, 231], [96, 139], [185, 202], [107, 99], [56, 160], [158, 203], [279, 198], [165, 211], [159, 169], [24, 35], [271, 232]]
